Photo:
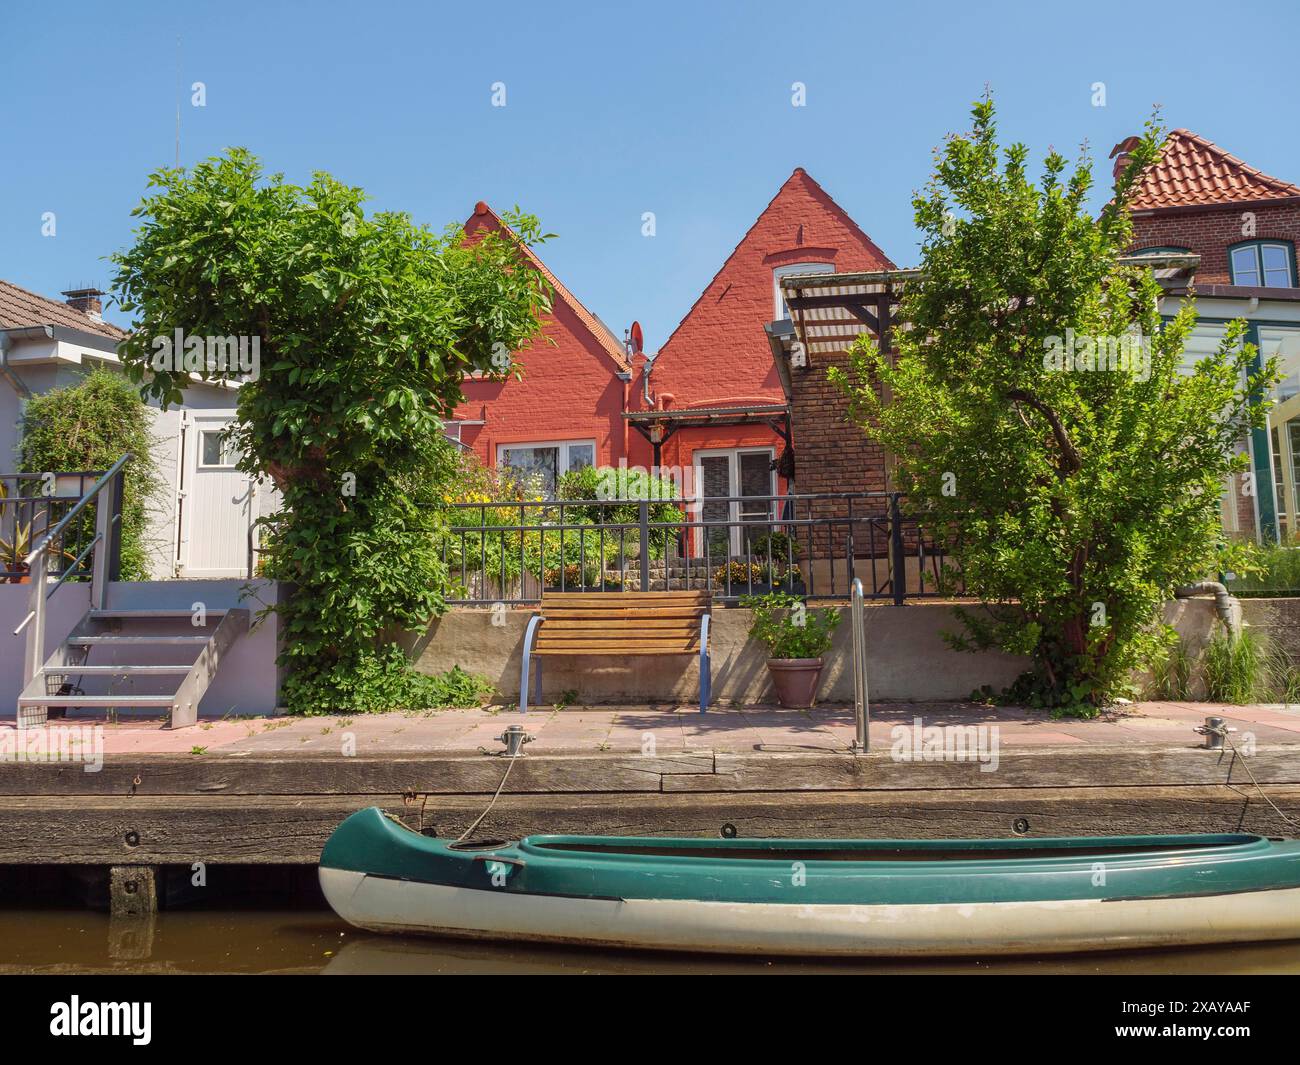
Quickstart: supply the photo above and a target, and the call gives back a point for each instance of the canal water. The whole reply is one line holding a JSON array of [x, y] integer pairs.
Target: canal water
[[309, 941]]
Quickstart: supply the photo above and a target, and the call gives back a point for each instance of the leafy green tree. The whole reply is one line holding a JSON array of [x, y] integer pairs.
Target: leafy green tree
[[365, 328], [1041, 416], [89, 426]]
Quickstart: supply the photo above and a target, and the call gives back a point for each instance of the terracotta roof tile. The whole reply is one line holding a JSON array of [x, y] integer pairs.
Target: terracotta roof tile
[[1195, 172], [19, 308]]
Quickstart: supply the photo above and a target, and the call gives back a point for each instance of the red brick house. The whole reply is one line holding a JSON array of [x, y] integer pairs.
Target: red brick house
[[1216, 229], [711, 397], [1241, 228], [567, 410]]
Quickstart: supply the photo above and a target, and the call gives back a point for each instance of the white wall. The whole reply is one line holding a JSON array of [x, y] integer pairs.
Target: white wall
[[248, 681]]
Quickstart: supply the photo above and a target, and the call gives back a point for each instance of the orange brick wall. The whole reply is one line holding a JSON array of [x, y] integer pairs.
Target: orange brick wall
[[1209, 233]]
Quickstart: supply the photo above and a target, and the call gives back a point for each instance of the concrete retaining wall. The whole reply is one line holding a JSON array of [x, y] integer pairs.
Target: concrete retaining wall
[[906, 660]]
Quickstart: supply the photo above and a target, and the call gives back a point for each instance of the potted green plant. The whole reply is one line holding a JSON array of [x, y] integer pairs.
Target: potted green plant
[[795, 638]]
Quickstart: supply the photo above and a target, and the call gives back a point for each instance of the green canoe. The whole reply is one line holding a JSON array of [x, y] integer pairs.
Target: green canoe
[[830, 897]]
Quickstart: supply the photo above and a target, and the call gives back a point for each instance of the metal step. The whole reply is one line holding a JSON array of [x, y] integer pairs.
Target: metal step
[[192, 678], [96, 700], [79, 641], [118, 671], [152, 615]]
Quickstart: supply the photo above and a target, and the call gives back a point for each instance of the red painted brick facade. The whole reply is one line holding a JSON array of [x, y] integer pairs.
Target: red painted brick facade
[[719, 354], [570, 389]]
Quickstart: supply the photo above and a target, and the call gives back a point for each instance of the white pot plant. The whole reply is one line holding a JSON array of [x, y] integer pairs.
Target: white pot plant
[[796, 638]]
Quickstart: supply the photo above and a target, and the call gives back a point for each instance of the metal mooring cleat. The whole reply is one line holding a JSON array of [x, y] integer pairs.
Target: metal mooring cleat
[[514, 738], [1214, 732]]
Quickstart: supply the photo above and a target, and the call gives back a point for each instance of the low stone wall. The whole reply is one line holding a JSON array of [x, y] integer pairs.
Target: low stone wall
[[906, 660]]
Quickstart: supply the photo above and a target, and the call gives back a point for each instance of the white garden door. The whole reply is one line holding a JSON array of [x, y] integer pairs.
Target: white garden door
[[217, 502]]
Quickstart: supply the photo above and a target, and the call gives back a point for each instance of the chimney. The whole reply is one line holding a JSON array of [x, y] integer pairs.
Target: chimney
[[85, 300], [1120, 153]]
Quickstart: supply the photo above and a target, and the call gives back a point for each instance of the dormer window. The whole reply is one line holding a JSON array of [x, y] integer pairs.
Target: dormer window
[[1263, 264], [782, 312]]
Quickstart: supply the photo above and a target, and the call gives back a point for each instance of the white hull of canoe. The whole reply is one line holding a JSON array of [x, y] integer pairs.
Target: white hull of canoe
[[385, 905]]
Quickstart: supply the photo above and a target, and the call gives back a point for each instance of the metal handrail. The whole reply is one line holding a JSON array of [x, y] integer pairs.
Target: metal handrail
[[861, 706], [106, 520], [80, 505]]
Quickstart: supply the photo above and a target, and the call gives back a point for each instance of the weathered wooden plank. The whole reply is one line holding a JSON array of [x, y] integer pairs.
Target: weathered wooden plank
[[626, 597], [649, 625], [230, 829], [467, 772], [317, 774], [1074, 766], [623, 615]]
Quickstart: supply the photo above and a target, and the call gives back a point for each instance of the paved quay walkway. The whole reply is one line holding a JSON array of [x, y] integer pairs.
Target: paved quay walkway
[[751, 729]]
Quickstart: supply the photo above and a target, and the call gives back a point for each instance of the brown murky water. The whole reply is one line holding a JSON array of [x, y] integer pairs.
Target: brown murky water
[[68, 941]]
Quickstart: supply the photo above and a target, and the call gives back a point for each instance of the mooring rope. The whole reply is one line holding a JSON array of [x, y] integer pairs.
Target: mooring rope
[[1222, 730], [504, 777]]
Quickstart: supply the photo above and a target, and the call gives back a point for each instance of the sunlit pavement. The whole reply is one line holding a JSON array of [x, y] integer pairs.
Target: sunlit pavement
[[578, 729]]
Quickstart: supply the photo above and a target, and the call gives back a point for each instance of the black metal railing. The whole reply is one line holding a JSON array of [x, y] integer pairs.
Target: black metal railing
[[31, 505], [510, 551]]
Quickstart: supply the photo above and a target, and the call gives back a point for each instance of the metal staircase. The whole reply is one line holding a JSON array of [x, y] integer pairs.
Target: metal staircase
[[158, 659], [113, 658]]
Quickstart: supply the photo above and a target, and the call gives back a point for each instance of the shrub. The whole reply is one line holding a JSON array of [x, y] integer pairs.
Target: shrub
[[742, 574], [367, 325], [1248, 668], [787, 628], [89, 426]]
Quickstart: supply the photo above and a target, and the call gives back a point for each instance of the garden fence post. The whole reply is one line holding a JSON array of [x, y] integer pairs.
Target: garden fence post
[[899, 581], [644, 509]]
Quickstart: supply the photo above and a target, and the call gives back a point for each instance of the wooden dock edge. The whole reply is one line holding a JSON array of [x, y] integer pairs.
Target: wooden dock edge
[[702, 771], [229, 829]]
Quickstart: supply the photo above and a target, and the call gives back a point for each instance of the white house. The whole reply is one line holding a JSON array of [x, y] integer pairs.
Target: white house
[[205, 509]]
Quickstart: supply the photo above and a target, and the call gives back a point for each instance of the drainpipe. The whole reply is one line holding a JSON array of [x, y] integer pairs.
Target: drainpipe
[[625, 376], [6, 371], [645, 384], [1225, 604]]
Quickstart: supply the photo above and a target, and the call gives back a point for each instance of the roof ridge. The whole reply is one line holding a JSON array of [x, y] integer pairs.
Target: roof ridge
[[67, 315], [1236, 160], [830, 200], [1192, 171], [590, 320]]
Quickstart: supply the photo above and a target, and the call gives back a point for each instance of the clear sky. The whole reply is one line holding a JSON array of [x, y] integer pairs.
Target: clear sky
[[612, 110]]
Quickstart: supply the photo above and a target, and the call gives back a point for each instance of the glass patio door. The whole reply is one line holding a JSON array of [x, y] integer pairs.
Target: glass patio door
[[745, 474], [1284, 429]]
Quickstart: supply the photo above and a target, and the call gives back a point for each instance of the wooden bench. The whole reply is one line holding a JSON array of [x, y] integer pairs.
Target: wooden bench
[[619, 624]]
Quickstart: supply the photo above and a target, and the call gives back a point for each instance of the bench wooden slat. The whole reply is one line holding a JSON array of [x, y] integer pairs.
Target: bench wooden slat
[[616, 648], [563, 597], [651, 627], [623, 617], [643, 639]]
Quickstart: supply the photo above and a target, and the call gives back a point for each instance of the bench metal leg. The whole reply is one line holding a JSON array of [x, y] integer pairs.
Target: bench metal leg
[[530, 634], [706, 669]]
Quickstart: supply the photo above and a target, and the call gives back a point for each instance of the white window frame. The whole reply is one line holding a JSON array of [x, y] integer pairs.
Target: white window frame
[[732, 454], [562, 460], [779, 310], [1256, 248], [228, 451]]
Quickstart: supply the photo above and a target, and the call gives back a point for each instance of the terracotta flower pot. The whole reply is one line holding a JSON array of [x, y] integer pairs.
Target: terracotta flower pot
[[795, 681]]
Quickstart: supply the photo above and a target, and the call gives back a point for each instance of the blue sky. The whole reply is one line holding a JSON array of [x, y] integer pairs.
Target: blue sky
[[611, 110]]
